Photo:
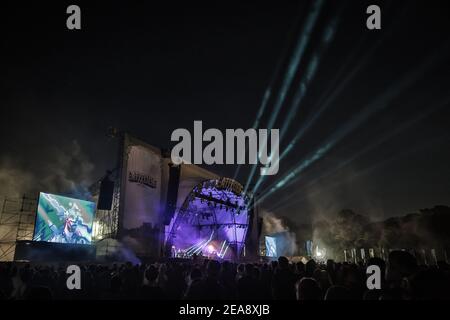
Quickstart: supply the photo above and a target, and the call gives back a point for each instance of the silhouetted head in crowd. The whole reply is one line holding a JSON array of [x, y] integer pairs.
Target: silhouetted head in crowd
[[151, 274], [116, 284], [322, 278], [226, 266], [213, 269], [274, 264], [331, 265], [300, 266], [241, 268], [308, 289], [402, 264], [311, 266], [283, 263]]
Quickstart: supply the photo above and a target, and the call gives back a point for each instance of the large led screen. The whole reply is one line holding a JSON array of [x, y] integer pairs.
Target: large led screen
[[271, 247], [63, 220]]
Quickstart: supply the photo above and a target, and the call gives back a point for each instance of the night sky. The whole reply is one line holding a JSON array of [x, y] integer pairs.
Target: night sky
[[150, 68]]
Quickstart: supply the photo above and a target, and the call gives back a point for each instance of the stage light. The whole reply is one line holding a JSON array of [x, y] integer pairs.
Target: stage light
[[221, 249], [320, 254], [223, 255], [210, 248]]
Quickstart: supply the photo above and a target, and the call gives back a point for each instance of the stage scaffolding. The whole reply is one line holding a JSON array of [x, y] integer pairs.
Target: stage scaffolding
[[106, 221], [212, 206], [17, 218]]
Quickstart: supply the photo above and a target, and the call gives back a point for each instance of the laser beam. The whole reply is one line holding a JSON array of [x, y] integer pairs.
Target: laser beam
[[294, 62], [325, 103], [327, 38], [389, 135], [379, 104]]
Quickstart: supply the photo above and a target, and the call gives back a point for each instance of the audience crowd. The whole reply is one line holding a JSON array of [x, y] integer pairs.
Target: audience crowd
[[401, 279]]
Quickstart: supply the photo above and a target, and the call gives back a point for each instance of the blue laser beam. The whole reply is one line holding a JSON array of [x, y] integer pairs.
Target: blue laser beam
[[294, 62], [328, 98], [266, 97], [311, 70], [382, 139], [379, 104], [365, 171]]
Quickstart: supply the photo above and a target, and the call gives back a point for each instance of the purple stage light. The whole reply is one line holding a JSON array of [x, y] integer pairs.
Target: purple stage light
[[214, 216]]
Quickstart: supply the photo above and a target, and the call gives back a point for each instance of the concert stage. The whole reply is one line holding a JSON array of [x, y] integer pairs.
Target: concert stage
[[214, 222]]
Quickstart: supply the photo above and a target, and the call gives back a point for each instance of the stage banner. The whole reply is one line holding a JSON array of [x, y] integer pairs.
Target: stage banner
[[142, 185]]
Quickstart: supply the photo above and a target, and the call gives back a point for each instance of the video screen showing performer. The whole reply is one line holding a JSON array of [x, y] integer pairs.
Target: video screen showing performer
[[64, 220]]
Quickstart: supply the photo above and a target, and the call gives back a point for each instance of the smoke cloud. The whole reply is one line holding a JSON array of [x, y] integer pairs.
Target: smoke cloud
[[65, 169], [283, 226]]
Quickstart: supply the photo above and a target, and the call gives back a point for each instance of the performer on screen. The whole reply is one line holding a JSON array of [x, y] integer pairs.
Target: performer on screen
[[72, 228]]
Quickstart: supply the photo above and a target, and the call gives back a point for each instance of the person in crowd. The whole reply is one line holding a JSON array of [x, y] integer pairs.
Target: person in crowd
[[401, 265], [240, 271], [265, 280], [310, 267], [227, 280], [300, 269], [308, 289], [209, 288], [283, 281], [248, 285], [151, 290], [331, 270]]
